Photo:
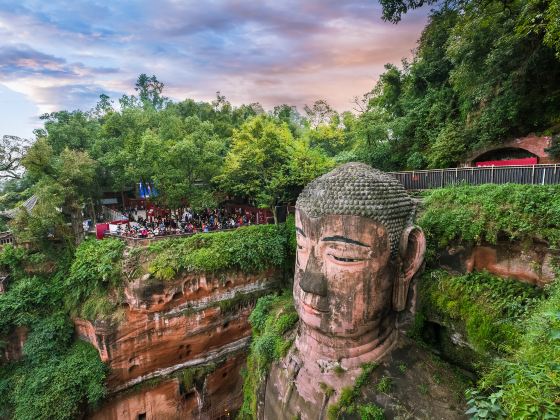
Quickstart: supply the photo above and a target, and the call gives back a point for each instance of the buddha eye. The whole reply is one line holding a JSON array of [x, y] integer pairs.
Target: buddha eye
[[349, 260]]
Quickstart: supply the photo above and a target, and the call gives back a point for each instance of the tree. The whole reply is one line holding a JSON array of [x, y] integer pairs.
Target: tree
[[255, 165], [319, 113], [76, 130], [266, 164], [394, 9], [150, 91], [103, 107], [12, 150], [289, 114], [477, 78], [64, 183], [328, 138]]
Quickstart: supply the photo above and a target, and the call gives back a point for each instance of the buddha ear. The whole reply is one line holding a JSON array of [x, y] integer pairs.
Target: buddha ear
[[412, 248]]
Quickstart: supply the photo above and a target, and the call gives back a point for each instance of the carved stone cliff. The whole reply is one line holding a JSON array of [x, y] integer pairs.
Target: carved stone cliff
[[180, 346]]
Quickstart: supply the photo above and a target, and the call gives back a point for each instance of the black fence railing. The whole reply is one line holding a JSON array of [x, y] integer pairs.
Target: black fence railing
[[437, 178]]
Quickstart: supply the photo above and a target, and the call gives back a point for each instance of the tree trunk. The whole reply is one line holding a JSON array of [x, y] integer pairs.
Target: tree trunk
[[274, 215], [122, 198], [93, 216], [77, 221]]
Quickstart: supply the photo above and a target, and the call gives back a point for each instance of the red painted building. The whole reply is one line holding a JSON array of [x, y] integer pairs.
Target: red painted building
[[529, 150]]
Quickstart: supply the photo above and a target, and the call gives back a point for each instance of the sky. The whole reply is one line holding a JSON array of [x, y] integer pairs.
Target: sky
[[57, 55]]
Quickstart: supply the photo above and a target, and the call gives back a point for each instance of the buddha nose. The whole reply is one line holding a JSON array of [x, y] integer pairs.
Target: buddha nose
[[312, 280]]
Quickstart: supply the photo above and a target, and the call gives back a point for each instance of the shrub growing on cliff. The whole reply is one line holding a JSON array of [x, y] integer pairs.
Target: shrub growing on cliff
[[272, 318], [526, 384], [250, 249], [473, 214], [486, 308], [95, 270], [49, 338], [55, 378], [60, 387], [28, 300]]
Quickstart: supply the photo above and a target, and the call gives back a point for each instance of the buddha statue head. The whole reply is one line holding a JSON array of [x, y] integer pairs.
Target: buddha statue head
[[357, 252]]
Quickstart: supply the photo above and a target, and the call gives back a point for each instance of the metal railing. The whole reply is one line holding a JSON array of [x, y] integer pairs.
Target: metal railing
[[437, 178], [132, 240]]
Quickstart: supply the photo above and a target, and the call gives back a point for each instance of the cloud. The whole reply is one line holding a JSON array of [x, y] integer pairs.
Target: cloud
[[23, 61], [62, 53]]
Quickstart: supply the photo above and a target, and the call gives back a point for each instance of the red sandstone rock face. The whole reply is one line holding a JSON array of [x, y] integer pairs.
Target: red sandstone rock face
[[533, 264], [168, 400], [160, 402], [170, 326]]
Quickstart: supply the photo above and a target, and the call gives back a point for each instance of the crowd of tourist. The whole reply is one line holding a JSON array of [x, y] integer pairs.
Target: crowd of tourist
[[209, 220]]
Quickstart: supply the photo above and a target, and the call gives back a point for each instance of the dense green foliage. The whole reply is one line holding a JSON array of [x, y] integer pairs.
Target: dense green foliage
[[513, 328], [525, 385], [249, 249], [484, 72], [475, 214], [193, 152], [59, 387], [29, 297], [271, 320], [488, 310], [95, 271], [266, 162], [56, 378]]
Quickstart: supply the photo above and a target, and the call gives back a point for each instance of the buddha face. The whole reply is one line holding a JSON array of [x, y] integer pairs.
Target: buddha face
[[344, 279]]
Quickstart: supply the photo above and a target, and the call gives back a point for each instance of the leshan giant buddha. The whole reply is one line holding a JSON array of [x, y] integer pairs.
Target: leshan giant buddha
[[357, 253]]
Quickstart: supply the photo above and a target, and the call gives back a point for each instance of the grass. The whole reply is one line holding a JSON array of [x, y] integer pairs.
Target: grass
[[384, 385], [347, 403]]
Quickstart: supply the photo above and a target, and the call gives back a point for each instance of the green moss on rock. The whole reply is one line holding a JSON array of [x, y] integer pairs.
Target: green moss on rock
[[272, 320]]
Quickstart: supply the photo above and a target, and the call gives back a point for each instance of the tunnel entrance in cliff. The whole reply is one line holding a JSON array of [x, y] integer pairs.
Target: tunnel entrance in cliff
[[506, 156]]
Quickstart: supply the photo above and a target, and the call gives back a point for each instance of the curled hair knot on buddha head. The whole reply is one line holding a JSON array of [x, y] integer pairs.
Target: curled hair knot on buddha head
[[357, 189]]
